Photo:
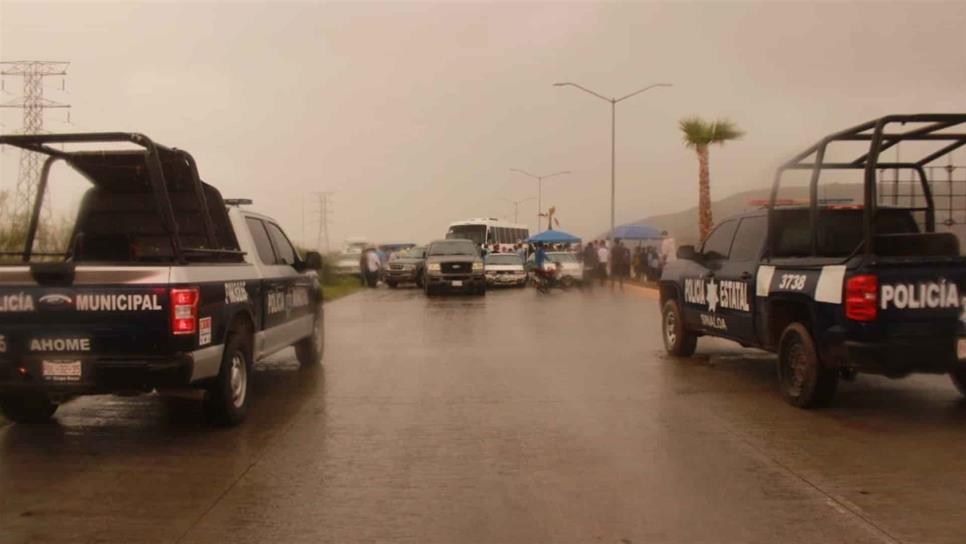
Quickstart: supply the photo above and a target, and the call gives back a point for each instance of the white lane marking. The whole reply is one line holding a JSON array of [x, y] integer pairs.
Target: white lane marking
[[829, 287], [763, 282], [836, 506]]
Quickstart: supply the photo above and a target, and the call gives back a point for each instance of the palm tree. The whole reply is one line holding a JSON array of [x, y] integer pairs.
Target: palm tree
[[700, 134]]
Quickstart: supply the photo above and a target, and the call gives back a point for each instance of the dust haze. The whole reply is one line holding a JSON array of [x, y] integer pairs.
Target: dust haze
[[414, 113]]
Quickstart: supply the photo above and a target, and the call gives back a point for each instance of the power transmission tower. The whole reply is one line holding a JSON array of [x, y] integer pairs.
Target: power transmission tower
[[33, 103], [324, 212]]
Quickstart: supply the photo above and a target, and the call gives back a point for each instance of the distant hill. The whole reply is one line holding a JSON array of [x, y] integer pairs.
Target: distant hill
[[683, 225]]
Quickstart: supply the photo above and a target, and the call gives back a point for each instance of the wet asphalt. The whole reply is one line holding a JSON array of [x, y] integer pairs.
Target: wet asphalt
[[515, 417]]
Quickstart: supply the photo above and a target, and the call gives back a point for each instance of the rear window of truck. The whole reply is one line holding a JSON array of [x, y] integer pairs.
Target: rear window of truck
[[838, 231]]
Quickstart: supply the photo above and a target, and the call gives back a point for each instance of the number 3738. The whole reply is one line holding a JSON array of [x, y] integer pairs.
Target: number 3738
[[792, 282]]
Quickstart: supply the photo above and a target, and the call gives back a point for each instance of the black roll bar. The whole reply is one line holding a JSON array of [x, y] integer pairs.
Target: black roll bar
[[40, 143], [873, 131]]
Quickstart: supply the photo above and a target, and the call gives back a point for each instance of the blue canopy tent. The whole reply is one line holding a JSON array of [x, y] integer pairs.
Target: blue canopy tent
[[553, 237], [636, 232]]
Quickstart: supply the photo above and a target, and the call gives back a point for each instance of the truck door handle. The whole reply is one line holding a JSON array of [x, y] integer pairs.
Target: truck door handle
[[709, 275], [746, 275]]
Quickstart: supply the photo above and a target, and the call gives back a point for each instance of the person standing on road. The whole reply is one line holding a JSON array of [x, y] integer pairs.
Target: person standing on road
[[637, 261], [653, 264], [668, 249], [590, 263], [363, 264], [620, 263], [603, 257], [373, 265]]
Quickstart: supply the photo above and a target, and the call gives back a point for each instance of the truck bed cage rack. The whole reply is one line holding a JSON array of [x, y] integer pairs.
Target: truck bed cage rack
[[41, 143], [936, 128]]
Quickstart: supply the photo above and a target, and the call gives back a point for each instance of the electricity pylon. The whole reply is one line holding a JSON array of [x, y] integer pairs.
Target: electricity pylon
[[33, 103]]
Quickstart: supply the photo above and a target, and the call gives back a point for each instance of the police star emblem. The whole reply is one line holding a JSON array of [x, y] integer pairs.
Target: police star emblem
[[711, 295]]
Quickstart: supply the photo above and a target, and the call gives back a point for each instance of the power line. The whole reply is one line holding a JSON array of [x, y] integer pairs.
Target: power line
[[33, 103]]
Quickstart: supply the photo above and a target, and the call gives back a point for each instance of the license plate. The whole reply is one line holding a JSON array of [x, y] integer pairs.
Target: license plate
[[62, 371], [457, 283], [961, 349]]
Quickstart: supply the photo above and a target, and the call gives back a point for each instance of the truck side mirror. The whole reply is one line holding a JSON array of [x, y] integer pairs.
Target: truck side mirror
[[687, 253], [313, 260]]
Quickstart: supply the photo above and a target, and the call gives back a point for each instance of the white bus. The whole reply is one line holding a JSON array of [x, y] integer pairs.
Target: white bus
[[488, 231]]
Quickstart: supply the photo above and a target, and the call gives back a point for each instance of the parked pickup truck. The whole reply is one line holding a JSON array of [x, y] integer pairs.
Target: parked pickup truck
[[834, 290], [454, 264], [161, 286]]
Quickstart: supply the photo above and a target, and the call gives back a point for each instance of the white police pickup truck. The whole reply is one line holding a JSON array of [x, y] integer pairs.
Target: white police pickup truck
[[161, 285]]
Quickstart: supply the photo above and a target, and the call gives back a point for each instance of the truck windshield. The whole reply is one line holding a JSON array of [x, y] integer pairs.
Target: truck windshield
[[562, 257], [454, 247], [503, 259]]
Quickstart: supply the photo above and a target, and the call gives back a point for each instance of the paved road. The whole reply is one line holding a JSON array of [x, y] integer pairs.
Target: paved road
[[510, 418]]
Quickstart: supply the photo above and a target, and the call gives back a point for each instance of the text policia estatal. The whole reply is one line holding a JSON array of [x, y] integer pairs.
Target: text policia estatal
[[727, 294]]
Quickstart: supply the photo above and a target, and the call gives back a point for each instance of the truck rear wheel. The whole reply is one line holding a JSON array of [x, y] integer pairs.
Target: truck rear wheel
[[229, 396], [309, 350], [958, 376], [678, 341], [30, 408], [805, 382]]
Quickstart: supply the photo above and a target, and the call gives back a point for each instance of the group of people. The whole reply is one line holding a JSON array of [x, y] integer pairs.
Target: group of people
[[647, 263], [617, 262]]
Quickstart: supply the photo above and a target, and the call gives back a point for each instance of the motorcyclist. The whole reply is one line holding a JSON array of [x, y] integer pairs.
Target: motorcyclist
[[539, 259]]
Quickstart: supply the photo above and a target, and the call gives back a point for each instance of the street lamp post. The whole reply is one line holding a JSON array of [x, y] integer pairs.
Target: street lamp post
[[516, 207], [613, 132], [539, 187]]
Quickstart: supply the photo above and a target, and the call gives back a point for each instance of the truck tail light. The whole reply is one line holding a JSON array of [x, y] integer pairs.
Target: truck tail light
[[862, 297], [184, 310]]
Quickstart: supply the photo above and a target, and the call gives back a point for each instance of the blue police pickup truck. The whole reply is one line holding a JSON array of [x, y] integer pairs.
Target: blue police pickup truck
[[835, 290], [160, 286]]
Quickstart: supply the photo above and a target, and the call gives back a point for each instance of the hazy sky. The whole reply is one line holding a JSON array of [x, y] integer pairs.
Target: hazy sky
[[413, 113]]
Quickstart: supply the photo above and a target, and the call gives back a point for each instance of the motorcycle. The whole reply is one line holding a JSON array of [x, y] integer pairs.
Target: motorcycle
[[547, 278]]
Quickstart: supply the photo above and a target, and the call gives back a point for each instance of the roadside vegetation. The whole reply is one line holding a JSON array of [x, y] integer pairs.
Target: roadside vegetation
[[52, 234], [333, 285], [340, 286]]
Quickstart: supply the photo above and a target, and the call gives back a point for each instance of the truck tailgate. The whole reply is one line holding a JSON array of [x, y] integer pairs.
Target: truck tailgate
[[922, 298], [107, 319]]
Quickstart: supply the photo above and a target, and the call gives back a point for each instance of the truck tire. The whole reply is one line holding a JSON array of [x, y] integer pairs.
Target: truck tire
[[429, 289], [678, 341], [958, 376], [35, 408], [227, 399], [419, 279], [804, 381], [391, 284], [309, 350]]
